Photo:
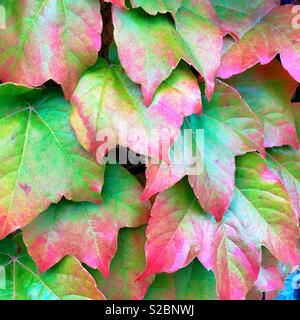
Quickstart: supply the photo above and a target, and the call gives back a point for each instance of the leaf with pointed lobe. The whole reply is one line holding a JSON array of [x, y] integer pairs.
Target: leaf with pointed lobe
[[157, 6], [268, 90], [41, 158], [127, 264], [156, 51], [197, 23], [260, 214], [46, 40], [85, 230], [106, 101], [270, 277], [238, 16], [271, 35], [285, 162], [159, 45], [193, 282], [68, 280], [229, 128]]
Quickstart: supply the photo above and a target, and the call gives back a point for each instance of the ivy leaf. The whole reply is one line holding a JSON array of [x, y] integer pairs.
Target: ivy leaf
[[156, 51], [106, 103], [46, 40], [157, 6], [260, 214], [85, 230], [296, 113], [239, 16], [41, 158], [270, 277], [191, 283], [268, 91], [273, 34], [285, 162], [197, 24], [127, 264], [158, 47], [229, 128], [68, 280]]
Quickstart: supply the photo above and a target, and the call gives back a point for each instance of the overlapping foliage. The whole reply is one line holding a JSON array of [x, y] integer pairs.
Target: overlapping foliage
[[228, 68]]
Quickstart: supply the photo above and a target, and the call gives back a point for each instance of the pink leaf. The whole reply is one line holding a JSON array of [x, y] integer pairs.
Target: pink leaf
[[227, 128], [260, 214], [46, 40], [85, 230], [269, 36]]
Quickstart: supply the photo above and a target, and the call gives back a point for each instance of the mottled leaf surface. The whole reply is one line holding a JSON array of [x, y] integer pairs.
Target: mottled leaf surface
[[268, 90], [41, 160], [193, 282], [270, 277], [227, 128], [85, 230], [46, 39], [285, 162], [238, 16], [197, 24], [155, 6], [68, 280], [108, 104], [158, 47], [260, 214], [126, 266], [272, 34], [156, 51]]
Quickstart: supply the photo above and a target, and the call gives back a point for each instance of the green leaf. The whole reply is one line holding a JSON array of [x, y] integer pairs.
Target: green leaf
[[260, 214], [155, 6], [198, 26], [45, 40], [274, 33], [126, 266], [268, 91], [193, 282], [226, 128], [108, 110], [85, 230], [41, 158], [285, 162], [238, 16], [150, 47], [68, 280]]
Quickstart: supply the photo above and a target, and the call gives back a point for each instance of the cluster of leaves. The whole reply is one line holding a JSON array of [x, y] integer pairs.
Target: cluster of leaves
[[73, 228]]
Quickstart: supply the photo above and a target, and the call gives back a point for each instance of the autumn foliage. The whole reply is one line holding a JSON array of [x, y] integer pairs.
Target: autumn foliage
[[74, 227]]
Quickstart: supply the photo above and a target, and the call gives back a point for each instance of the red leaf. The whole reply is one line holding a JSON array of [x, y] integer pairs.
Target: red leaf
[[268, 91], [84, 230], [158, 47], [269, 36], [46, 40], [229, 128], [41, 159], [114, 108], [260, 214], [238, 16], [127, 264], [270, 278]]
